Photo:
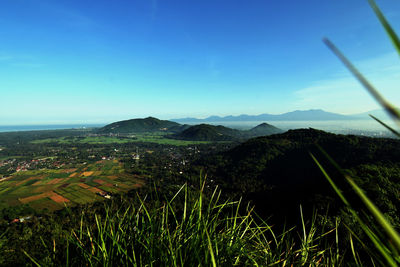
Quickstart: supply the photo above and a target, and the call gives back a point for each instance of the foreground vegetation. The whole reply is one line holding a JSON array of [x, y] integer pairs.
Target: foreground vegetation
[[184, 230]]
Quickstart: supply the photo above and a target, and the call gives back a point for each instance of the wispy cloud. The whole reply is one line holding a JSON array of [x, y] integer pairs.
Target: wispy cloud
[[339, 95], [343, 93]]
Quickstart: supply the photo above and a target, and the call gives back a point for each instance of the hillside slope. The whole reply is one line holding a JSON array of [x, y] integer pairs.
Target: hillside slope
[[262, 130], [148, 124], [206, 132], [279, 169]]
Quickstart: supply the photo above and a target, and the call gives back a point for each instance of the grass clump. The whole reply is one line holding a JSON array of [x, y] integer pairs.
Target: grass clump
[[191, 230]]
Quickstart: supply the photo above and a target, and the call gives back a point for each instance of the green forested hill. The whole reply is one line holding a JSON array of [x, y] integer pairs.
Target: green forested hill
[[262, 130], [148, 124], [207, 132], [278, 169]]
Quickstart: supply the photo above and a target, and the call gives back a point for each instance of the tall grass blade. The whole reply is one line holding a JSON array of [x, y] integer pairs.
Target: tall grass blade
[[185, 204], [32, 259], [355, 255], [210, 248], [386, 126], [389, 30], [390, 109], [67, 258], [379, 245], [395, 237], [337, 190]]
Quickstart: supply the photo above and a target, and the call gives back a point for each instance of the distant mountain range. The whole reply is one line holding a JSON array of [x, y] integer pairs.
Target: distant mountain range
[[298, 115]]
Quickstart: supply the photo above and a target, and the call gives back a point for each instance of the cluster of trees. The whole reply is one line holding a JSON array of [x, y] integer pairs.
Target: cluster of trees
[[278, 174]]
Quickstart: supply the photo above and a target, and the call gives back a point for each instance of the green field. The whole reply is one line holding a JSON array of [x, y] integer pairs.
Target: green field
[[85, 140], [9, 157], [151, 138], [52, 189]]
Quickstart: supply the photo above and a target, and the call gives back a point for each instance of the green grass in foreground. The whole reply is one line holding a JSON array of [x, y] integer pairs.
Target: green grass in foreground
[[189, 230]]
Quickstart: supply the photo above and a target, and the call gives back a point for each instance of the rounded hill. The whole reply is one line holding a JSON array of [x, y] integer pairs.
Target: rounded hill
[[148, 124], [206, 132]]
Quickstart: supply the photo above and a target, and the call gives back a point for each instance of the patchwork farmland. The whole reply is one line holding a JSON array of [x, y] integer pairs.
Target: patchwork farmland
[[53, 189]]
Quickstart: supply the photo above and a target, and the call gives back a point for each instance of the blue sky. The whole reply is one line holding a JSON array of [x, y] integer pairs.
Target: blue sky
[[81, 61]]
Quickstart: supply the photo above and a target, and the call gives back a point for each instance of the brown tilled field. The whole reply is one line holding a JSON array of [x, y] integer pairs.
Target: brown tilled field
[[86, 174], [59, 199], [83, 185], [55, 181], [24, 181], [98, 181], [94, 189], [50, 194], [37, 183], [36, 197]]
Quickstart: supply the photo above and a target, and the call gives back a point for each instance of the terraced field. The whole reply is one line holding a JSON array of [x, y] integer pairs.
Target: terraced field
[[53, 189]]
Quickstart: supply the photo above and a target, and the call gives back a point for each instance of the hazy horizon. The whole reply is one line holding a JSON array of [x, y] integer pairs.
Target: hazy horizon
[[363, 125], [98, 62], [104, 122]]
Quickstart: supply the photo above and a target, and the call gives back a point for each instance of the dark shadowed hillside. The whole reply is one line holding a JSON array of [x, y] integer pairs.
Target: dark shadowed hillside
[[206, 132], [278, 169]]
